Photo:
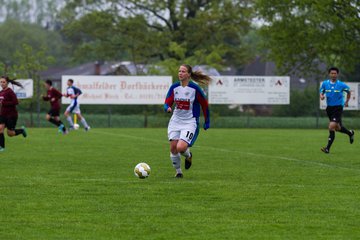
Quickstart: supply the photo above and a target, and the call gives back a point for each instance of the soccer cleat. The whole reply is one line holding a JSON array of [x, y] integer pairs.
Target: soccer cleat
[[24, 133], [325, 150], [188, 161], [60, 128], [87, 128], [352, 136], [179, 175], [2, 149]]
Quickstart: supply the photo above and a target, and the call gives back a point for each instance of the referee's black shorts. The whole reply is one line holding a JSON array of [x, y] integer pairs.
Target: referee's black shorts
[[10, 122], [334, 113]]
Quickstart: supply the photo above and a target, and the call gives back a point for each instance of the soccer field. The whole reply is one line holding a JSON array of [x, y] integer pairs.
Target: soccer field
[[244, 184]]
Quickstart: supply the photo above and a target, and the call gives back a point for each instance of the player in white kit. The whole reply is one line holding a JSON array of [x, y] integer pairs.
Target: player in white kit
[[183, 127], [74, 107]]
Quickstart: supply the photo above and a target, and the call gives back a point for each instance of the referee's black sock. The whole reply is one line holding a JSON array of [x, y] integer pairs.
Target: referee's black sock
[[331, 139], [18, 131], [345, 130], [53, 121], [2, 140]]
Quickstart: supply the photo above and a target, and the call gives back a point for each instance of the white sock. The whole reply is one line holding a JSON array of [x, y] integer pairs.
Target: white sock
[[69, 119], [186, 153], [83, 121], [176, 160]]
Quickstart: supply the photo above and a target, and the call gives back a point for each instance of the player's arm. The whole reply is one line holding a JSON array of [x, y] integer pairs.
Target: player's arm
[[56, 95], [78, 92], [11, 101], [45, 98], [348, 95], [322, 91], [169, 100], [205, 107]]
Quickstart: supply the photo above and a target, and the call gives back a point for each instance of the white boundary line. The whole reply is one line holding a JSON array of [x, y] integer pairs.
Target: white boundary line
[[240, 152]]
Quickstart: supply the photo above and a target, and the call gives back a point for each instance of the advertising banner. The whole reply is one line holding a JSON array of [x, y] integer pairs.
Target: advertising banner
[[27, 91], [119, 89], [250, 90]]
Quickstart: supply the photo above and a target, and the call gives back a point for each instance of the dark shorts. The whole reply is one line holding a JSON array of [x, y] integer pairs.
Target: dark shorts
[[10, 122], [54, 112], [334, 113]]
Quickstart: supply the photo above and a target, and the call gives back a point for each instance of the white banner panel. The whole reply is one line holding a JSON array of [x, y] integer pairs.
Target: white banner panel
[[249, 90], [354, 101], [27, 91], [119, 89]]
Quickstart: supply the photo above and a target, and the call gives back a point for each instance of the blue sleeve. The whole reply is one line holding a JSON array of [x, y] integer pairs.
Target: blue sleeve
[[322, 88], [77, 91], [346, 88]]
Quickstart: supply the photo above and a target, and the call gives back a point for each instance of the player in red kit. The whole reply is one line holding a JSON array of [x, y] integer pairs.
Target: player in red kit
[[8, 112], [54, 96]]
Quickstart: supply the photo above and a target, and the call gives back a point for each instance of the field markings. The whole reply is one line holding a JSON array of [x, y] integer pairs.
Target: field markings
[[237, 151]]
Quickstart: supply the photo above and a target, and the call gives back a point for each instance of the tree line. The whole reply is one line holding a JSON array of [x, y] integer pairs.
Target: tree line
[[297, 35]]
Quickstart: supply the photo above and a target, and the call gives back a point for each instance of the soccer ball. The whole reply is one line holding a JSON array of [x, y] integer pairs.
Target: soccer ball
[[142, 170], [76, 126]]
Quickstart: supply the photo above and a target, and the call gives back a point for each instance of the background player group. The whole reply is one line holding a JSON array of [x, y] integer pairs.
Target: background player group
[[54, 96]]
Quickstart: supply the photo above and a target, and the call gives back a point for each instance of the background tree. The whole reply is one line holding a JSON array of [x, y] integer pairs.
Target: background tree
[[41, 12], [15, 34], [29, 63], [166, 32], [300, 35]]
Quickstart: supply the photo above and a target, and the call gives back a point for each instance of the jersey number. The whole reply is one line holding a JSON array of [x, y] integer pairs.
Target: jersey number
[[189, 135]]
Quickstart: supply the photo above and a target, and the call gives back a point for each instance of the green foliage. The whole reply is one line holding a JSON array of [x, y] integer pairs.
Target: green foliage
[[302, 103], [15, 34], [163, 32], [300, 34], [29, 62]]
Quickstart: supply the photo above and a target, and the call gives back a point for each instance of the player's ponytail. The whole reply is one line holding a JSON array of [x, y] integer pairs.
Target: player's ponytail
[[198, 76], [12, 81]]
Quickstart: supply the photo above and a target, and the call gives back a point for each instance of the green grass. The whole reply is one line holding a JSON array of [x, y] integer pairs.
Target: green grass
[[244, 184]]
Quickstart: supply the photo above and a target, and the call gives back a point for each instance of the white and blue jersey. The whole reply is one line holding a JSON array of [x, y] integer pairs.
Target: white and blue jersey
[[74, 106], [184, 122], [334, 92]]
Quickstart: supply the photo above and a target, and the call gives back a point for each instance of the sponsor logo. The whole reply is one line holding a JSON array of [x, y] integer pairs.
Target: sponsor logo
[[182, 103]]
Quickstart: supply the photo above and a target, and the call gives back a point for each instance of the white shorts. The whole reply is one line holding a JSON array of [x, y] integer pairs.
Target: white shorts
[[73, 109], [187, 131]]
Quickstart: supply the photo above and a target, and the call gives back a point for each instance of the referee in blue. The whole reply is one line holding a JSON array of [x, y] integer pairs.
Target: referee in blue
[[333, 89]]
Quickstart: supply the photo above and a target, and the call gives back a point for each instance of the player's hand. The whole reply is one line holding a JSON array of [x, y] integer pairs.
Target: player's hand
[[322, 96], [169, 110], [346, 104], [206, 125], [52, 100], [72, 96]]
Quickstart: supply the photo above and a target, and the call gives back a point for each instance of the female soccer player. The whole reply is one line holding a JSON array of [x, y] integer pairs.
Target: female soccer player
[[183, 127], [53, 96], [8, 112], [74, 107], [333, 89]]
